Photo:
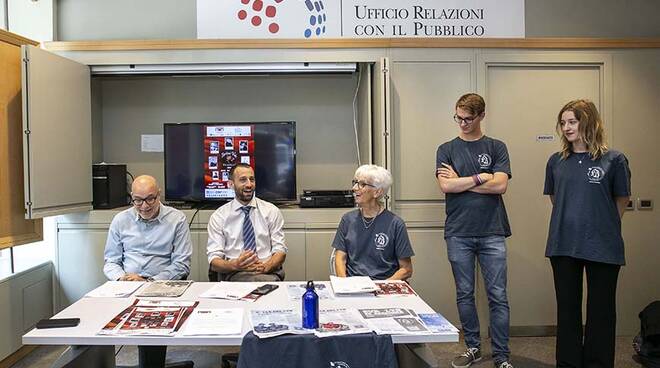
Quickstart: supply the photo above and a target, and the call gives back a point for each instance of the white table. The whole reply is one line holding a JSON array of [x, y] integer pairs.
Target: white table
[[94, 314]]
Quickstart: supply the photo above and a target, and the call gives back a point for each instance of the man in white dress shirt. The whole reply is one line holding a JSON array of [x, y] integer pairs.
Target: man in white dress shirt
[[246, 241]]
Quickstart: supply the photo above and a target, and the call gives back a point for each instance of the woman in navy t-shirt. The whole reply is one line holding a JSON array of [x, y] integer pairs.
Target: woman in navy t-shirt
[[372, 241], [589, 186]]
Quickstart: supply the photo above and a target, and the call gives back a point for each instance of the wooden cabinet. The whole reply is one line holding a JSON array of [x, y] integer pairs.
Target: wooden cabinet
[[14, 228]]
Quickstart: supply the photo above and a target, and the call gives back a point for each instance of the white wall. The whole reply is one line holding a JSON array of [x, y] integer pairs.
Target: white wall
[[592, 18], [172, 19], [32, 19], [3, 14], [126, 19]]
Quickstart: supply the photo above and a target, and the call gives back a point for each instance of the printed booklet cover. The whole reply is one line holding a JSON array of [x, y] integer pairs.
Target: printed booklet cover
[[150, 317]]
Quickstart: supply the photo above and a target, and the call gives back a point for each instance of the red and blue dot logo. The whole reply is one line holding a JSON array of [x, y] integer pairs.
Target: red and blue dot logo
[[317, 18], [259, 15]]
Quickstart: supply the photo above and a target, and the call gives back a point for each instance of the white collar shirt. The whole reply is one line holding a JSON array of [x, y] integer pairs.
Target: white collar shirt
[[225, 230]]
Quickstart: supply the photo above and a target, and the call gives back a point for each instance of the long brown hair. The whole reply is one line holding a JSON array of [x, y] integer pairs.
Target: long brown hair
[[590, 128]]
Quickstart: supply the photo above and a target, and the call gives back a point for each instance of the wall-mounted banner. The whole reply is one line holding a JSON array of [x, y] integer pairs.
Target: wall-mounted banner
[[309, 19]]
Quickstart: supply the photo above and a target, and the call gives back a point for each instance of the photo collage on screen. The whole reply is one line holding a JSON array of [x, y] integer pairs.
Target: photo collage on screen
[[224, 147]]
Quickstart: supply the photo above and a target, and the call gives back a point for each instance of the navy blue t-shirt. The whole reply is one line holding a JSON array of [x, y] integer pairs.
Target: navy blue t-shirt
[[585, 221], [374, 251], [469, 213]]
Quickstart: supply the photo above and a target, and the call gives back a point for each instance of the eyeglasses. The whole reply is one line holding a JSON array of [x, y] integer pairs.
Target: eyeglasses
[[361, 184], [149, 200], [467, 121]]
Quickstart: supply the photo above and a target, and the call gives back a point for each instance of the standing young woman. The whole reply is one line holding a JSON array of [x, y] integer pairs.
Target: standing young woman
[[589, 186]]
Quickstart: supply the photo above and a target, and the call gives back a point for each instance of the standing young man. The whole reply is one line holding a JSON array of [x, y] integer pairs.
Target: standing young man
[[473, 171]]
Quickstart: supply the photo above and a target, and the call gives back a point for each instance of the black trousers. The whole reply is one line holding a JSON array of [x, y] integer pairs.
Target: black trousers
[[151, 356], [595, 346]]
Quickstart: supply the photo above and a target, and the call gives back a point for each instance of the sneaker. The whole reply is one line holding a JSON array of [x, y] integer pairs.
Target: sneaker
[[504, 364], [466, 359]]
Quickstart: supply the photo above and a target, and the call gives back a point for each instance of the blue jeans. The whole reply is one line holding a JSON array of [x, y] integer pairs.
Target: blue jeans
[[491, 252]]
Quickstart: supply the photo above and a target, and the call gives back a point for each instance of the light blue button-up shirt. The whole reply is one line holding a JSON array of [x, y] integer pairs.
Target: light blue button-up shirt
[[159, 248]]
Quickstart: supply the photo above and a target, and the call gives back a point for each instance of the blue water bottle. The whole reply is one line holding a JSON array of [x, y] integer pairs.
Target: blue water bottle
[[310, 307]]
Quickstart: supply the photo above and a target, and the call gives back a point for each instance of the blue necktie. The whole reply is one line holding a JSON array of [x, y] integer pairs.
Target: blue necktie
[[249, 242]]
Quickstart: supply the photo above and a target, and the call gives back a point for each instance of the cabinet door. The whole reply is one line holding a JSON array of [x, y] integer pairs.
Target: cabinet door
[[318, 245], [432, 276], [199, 267], [79, 263], [294, 265], [57, 134], [201, 258], [530, 283]]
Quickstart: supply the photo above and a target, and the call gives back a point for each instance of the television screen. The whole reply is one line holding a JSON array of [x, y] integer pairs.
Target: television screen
[[198, 157]]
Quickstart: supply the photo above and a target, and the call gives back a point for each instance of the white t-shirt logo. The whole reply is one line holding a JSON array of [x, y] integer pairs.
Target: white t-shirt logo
[[339, 364], [484, 160], [595, 174], [381, 241]]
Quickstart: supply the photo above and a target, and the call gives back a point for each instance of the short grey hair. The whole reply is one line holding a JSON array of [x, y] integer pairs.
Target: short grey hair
[[377, 176]]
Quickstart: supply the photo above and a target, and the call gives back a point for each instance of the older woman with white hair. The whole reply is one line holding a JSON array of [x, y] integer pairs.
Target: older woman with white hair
[[372, 241]]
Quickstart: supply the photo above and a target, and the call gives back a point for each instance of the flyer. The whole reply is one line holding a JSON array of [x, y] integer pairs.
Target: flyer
[[150, 318]]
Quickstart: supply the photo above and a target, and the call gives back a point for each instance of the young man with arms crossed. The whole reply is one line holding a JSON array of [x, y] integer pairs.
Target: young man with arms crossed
[[473, 171]]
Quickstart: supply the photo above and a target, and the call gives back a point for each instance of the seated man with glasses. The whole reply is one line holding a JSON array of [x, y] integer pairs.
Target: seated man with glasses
[[372, 241], [246, 241], [149, 241]]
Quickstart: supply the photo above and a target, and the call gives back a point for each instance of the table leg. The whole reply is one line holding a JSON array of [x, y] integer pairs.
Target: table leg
[[415, 356], [83, 356]]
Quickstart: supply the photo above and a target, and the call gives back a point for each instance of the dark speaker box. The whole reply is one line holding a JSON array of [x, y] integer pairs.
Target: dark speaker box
[[109, 186]]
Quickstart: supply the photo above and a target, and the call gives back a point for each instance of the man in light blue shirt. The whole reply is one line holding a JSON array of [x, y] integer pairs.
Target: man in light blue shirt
[[149, 241]]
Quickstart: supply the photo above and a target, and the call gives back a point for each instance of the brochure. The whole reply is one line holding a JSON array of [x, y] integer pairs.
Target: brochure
[[352, 285], [115, 289], [230, 290], [393, 321], [436, 323], [214, 322], [340, 321], [332, 322], [150, 317], [275, 322], [165, 288], [295, 291], [394, 288]]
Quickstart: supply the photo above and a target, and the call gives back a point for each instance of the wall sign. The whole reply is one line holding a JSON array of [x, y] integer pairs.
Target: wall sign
[[545, 138], [310, 19]]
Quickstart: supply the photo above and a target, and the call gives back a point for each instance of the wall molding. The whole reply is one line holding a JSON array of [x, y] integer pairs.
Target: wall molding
[[525, 43], [15, 39]]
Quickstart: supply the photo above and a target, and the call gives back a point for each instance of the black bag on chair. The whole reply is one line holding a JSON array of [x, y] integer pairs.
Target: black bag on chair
[[647, 343]]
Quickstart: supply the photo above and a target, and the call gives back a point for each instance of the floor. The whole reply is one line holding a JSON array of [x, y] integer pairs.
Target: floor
[[527, 352]]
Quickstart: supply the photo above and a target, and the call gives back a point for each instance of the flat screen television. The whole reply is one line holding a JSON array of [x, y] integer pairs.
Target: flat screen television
[[198, 157]]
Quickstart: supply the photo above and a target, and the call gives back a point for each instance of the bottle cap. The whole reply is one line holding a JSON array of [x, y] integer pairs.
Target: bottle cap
[[310, 285]]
